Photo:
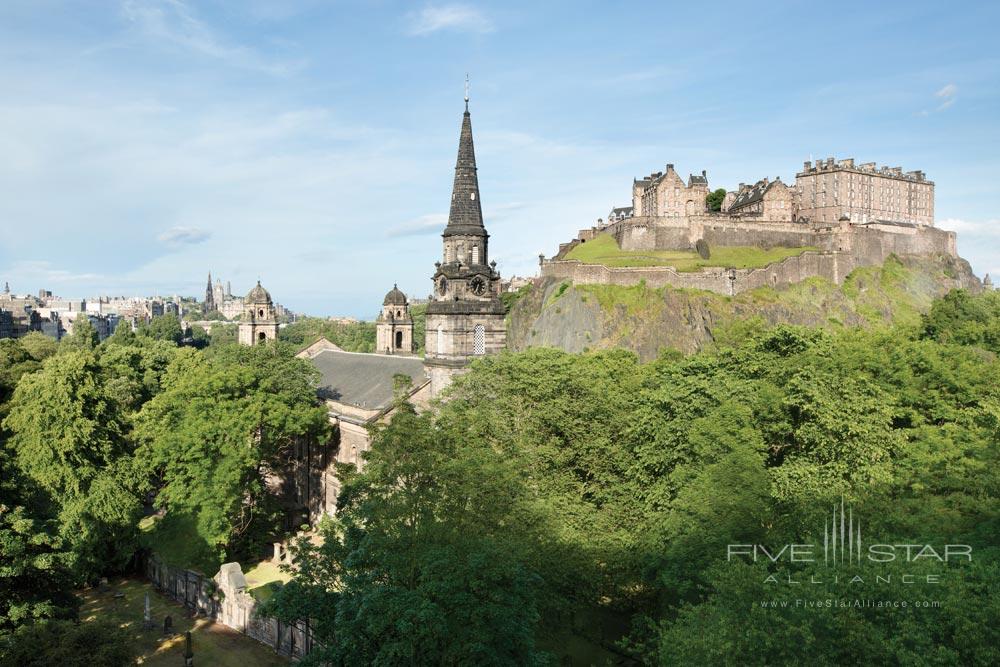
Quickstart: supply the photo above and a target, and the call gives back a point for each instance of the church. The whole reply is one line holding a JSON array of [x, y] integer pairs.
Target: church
[[465, 319]]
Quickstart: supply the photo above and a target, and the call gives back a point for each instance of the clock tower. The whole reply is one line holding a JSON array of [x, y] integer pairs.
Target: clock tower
[[465, 317]]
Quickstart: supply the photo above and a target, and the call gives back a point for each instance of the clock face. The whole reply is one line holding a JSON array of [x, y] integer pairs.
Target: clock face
[[442, 287], [478, 286]]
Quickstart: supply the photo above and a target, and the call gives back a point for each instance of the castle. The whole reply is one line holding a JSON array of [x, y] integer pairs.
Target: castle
[[829, 191], [835, 218]]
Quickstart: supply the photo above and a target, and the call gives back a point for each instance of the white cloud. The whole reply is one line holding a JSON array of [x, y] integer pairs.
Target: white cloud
[[947, 95], [982, 227], [434, 223], [947, 92], [425, 224], [179, 236], [175, 23], [460, 18]]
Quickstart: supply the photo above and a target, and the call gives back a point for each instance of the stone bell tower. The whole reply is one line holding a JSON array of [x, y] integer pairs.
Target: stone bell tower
[[259, 323], [465, 317], [394, 325]]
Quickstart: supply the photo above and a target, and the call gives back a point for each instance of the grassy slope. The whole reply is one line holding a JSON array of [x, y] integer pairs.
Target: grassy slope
[[604, 250]]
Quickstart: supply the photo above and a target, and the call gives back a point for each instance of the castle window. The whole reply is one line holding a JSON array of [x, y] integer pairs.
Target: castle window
[[479, 340], [399, 340], [260, 313]]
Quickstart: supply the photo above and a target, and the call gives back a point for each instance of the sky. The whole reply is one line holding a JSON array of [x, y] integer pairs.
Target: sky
[[311, 145]]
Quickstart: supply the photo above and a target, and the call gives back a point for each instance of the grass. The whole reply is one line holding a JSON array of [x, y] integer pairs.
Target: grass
[[603, 249], [264, 579], [213, 644]]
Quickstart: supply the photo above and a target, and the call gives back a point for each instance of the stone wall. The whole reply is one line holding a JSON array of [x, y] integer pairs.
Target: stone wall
[[841, 249], [225, 599]]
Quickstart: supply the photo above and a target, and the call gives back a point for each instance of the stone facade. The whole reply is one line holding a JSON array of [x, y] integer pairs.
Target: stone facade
[[764, 200], [394, 325], [259, 323], [465, 317], [831, 191], [664, 194]]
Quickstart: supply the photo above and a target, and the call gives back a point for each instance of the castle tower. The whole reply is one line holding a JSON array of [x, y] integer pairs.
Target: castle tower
[[209, 295], [465, 317], [394, 325], [259, 323]]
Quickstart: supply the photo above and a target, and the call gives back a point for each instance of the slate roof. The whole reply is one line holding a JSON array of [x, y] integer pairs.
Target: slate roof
[[699, 180], [364, 380], [752, 194]]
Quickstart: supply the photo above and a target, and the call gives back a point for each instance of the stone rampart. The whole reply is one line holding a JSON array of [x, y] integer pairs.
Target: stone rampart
[[841, 249]]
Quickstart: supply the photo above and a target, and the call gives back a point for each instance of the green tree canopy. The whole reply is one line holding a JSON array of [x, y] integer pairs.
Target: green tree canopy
[[713, 200], [224, 421]]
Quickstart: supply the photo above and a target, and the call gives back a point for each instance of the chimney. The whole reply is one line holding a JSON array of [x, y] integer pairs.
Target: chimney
[[806, 165], [670, 167], [742, 186]]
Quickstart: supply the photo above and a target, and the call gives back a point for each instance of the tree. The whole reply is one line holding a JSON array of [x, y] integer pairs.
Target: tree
[[164, 327], [418, 568], [70, 438], [68, 645], [84, 335], [713, 200], [226, 419], [38, 346]]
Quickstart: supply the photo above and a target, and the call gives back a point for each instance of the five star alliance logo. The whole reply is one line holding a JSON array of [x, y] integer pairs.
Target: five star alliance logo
[[844, 543]]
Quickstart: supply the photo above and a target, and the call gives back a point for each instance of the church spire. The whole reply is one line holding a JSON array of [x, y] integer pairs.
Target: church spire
[[466, 215]]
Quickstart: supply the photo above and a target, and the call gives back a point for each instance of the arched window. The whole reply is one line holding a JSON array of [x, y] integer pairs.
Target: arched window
[[440, 340], [262, 336], [479, 340], [475, 254], [399, 339], [260, 313]]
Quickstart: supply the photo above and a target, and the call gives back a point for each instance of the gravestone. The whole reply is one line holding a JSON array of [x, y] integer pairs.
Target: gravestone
[[147, 618], [168, 626], [188, 651]]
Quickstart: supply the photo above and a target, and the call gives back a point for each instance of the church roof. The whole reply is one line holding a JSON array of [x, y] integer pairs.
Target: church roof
[[394, 297], [466, 214], [364, 380], [258, 295]]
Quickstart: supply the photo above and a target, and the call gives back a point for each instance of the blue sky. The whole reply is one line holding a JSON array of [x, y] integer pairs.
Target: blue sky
[[146, 142]]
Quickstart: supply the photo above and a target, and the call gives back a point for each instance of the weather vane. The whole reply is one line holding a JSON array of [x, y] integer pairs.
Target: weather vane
[[466, 91]]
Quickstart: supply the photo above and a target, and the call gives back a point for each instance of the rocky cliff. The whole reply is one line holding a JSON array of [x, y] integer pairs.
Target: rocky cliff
[[576, 318]]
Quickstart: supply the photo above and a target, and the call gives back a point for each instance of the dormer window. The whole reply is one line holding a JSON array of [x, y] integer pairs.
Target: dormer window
[[472, 195]]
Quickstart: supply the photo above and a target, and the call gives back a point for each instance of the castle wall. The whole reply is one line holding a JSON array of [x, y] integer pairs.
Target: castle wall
[[647, 233], [842, 249]]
